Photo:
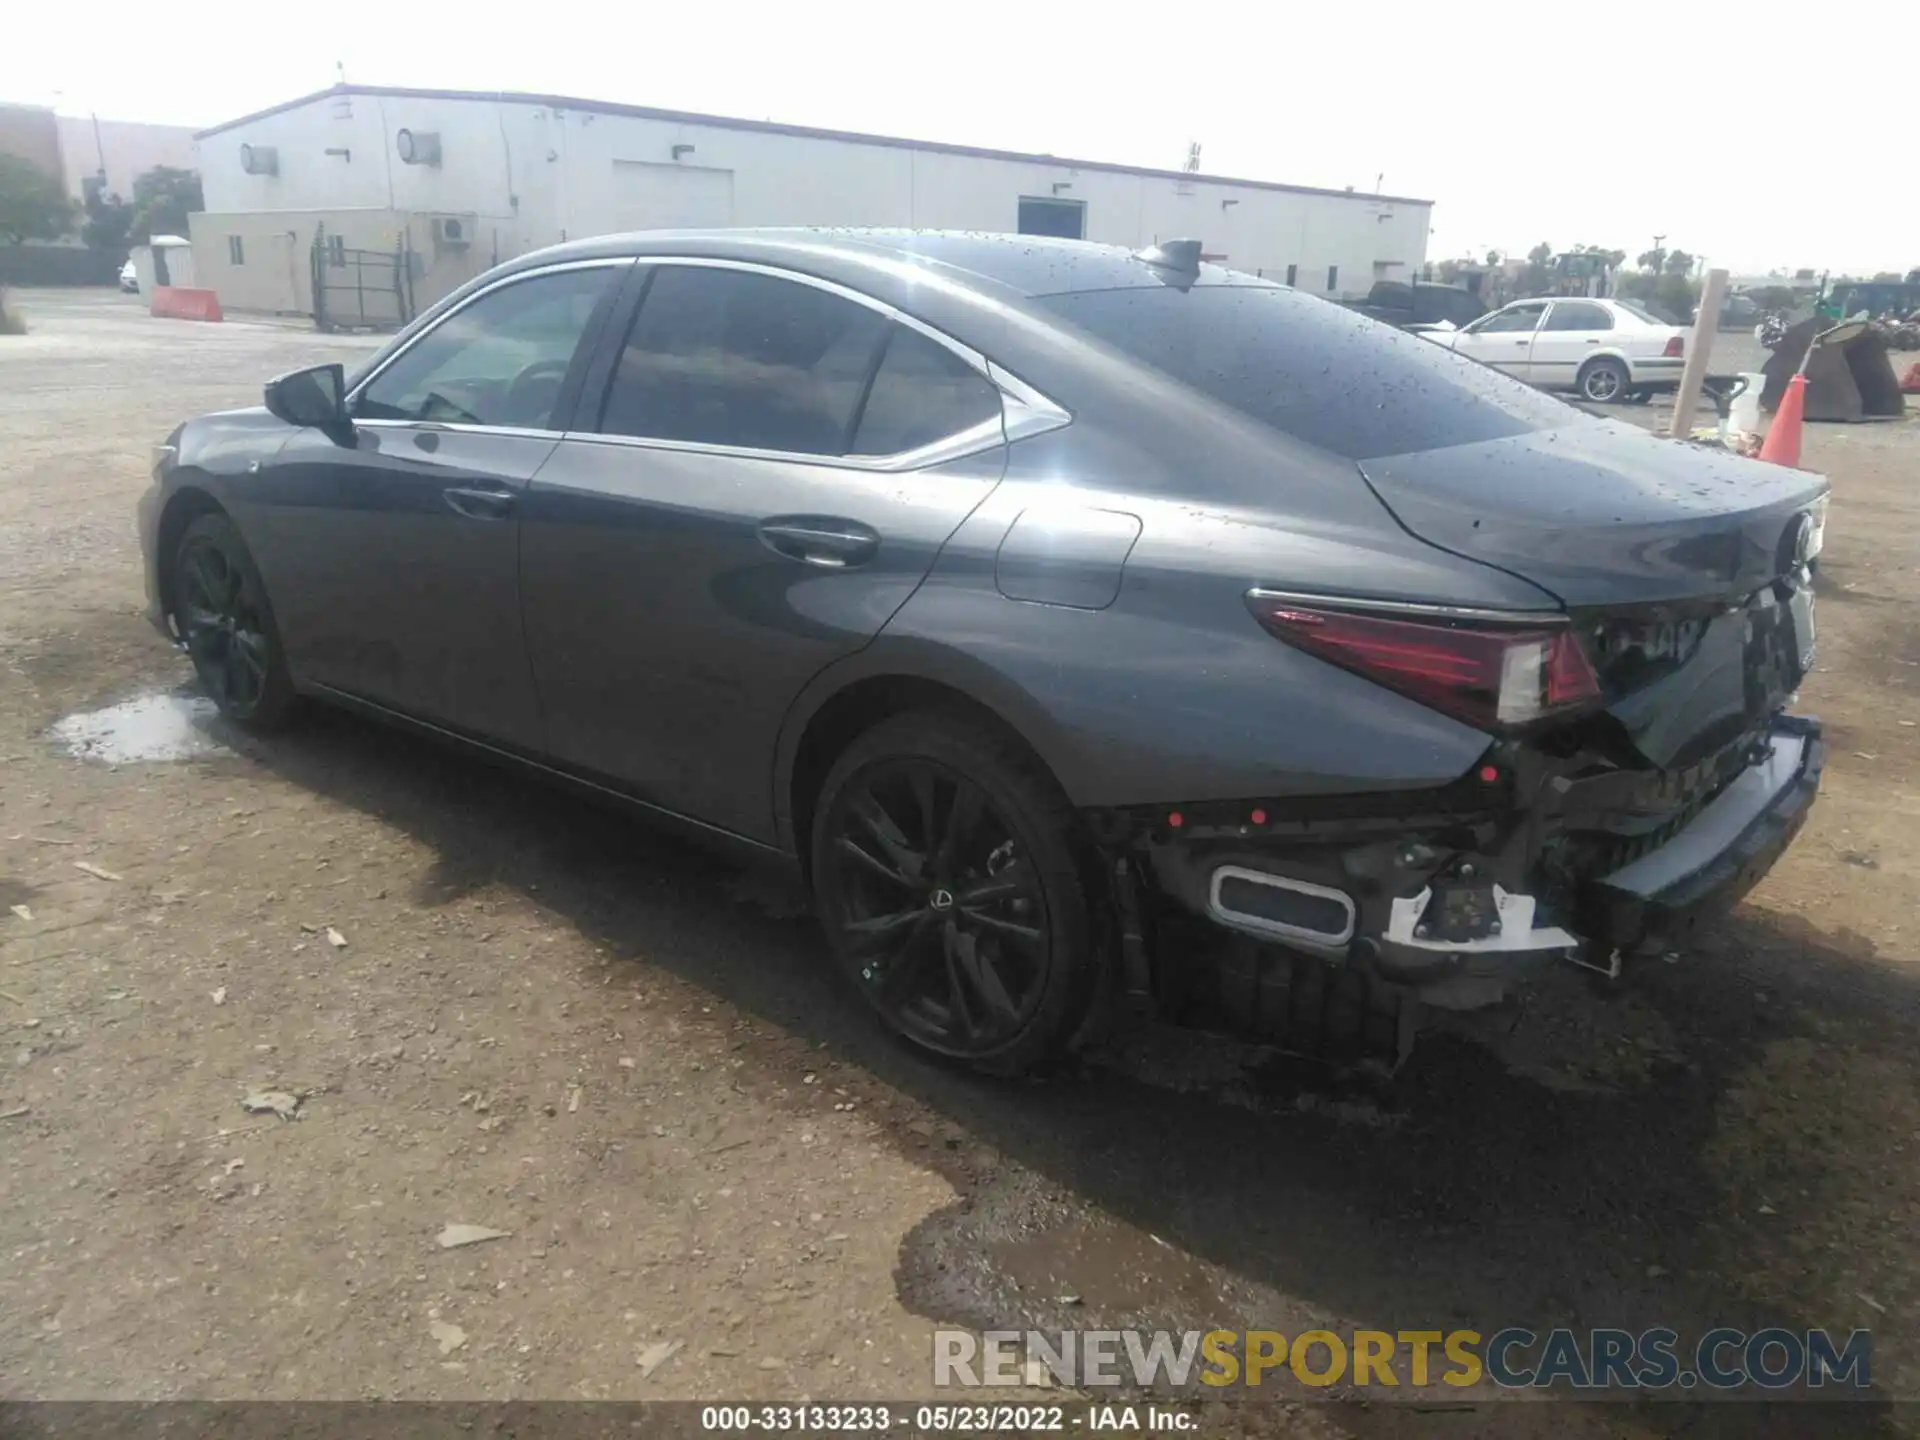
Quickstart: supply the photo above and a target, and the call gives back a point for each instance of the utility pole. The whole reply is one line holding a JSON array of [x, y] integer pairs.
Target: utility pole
[[1699, 346]]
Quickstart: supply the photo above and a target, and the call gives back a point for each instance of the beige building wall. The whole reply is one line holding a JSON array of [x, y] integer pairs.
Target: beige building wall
[[263, 260], [31, 133], [71, 148], [129, 149]]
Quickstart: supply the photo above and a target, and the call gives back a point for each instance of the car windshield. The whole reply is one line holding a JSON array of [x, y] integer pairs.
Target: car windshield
[[1313, 370]]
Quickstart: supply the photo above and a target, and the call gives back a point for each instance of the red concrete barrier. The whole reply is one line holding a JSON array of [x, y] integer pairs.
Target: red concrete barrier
[[175, 302]]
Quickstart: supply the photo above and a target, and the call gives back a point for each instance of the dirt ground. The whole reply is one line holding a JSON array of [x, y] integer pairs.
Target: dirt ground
[[551, 1021]]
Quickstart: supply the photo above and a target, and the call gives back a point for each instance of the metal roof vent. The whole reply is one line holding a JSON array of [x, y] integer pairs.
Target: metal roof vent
[[260, 159], [418, 147]]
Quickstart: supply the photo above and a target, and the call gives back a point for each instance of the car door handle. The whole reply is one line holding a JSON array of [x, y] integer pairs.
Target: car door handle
[[823, 540], [481, 504]]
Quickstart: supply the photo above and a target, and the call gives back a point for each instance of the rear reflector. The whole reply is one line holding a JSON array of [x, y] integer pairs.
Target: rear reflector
[[1676, 347], [1491, 676]]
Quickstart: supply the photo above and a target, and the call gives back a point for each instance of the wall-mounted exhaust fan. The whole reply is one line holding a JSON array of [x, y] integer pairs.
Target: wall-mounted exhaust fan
[[418, 147]]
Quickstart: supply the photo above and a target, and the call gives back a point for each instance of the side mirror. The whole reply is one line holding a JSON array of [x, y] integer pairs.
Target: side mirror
[[317, 396]]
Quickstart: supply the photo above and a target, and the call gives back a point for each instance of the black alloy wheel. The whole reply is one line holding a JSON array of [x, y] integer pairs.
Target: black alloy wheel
[[221, 609], [950, 897]]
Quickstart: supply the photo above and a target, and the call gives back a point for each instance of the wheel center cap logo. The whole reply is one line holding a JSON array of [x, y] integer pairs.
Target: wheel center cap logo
[[941, 900]]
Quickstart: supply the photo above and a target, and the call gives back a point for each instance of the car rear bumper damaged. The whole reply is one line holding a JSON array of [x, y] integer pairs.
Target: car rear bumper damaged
[[1457, 898]]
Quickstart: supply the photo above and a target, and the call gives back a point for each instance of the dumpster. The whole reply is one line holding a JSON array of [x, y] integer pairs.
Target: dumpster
[[1849, 376]]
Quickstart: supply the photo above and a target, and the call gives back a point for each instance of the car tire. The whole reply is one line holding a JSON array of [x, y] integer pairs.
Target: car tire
[[227, 627], [1602, 380], [947, 875]]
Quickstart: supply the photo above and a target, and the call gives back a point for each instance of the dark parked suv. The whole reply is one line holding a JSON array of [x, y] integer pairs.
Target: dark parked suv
[[1096, 631]]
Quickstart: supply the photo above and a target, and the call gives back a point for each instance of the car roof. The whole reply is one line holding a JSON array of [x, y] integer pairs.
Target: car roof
[[1605, 303], [1023, 265]]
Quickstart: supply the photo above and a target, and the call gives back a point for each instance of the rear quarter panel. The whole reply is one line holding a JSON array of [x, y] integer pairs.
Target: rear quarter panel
[[1172, 693]]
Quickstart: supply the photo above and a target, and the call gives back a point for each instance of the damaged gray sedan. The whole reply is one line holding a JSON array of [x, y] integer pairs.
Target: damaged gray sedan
[[1098, 633]]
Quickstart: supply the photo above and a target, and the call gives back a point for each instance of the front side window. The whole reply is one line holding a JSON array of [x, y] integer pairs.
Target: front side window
[[921, 393], [498, 361], [729, 357], [1515, 318], [1572, 315]]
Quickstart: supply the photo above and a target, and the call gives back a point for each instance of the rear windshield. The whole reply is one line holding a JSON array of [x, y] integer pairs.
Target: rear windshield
[[1311, 369]]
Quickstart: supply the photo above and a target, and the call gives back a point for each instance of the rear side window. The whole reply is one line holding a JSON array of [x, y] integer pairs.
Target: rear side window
[[728, 357], [1313, 370], [1572, 315], [1641, 312], [922, 392]]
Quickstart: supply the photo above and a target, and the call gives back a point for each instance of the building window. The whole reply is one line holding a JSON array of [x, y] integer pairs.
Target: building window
[[1064, 219], [1333, 278], [236, 250], [1293, 273], [337, 251]]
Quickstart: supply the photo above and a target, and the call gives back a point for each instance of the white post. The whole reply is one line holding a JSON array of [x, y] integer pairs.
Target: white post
[[1705, 322]]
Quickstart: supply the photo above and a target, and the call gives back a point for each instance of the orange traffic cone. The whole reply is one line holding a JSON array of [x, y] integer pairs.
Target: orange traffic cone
[[1782, 445]]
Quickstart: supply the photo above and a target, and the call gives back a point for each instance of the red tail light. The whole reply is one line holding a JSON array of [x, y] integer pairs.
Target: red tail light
[[1676, 347], [1491, 676]]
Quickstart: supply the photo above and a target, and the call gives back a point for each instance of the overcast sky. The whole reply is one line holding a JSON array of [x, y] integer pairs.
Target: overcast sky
[[1569, 123]]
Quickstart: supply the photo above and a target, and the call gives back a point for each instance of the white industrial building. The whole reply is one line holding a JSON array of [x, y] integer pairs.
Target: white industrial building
[[356, 185]]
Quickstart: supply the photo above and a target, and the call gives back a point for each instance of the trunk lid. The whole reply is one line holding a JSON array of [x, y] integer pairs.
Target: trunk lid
[[1602, 514], [1665, 554]]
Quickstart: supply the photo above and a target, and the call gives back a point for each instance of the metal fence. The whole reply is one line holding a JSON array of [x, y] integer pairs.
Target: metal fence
[[355, 289]]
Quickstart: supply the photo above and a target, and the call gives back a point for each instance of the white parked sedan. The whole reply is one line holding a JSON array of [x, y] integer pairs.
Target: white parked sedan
[[1602, 349]]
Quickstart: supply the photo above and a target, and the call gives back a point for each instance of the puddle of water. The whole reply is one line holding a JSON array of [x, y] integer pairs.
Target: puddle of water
[[147, 727], [1107, 1265]]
